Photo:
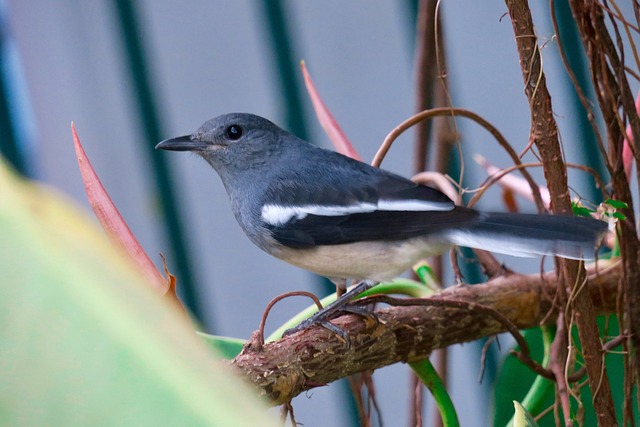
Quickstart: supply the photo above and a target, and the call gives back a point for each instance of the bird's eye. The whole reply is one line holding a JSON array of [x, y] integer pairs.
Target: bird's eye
[[234, 132]]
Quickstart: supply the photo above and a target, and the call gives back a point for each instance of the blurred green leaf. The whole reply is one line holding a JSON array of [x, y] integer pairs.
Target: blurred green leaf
[[620, 216], [581, 210], [85, 342], [618, 204], [227, 347]]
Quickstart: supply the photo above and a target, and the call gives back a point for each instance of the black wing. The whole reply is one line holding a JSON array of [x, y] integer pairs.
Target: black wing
[[363, 204], [315, 230]]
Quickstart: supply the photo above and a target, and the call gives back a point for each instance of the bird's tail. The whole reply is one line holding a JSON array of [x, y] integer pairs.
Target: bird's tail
[[529, 235]]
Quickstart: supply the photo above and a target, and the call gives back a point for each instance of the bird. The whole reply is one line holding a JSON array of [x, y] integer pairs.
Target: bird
[[346, 220]]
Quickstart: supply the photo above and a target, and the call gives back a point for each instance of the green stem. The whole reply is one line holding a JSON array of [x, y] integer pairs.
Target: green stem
[[429, 376], [398, 286]]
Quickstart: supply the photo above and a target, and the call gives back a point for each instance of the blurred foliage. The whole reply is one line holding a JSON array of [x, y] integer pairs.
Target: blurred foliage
[[84, 341]]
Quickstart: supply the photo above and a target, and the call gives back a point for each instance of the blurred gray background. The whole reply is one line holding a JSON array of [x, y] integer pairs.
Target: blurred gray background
[[67, 61]]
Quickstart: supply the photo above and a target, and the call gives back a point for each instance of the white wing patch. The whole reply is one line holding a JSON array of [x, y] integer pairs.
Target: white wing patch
[[278, 215], [413, 205]]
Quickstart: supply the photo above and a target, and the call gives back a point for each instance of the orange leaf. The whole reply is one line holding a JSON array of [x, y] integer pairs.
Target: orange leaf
[[111, 220], [171, 293], [509, 199], [328, 123]]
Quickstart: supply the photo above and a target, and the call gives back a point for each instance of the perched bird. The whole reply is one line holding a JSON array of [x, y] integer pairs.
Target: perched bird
[[344, 219]]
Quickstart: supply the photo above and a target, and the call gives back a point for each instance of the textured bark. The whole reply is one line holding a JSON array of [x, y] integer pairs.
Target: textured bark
[[612, 91], [544, 132], [315, 356]]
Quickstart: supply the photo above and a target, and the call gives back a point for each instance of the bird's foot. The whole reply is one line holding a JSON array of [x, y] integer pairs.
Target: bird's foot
[[341, 333], [322, 317]]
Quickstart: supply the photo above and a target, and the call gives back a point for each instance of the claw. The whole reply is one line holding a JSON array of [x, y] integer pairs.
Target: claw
[[322, 317], [363, 311], [341, 333]]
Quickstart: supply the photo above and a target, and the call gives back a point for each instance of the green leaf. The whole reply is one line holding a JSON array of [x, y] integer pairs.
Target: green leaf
[[581, 210], [85, 341], [618, 204], [522, 418], [227, 347], [620, 216]]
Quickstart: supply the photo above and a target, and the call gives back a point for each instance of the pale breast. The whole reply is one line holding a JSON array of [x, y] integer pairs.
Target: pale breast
[[377, 261]]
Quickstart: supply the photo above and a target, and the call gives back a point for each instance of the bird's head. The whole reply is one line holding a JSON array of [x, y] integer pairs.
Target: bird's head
[[231, 142]]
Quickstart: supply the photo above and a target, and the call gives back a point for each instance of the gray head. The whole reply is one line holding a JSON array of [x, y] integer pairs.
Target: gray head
[[232, 143], [244, 149]]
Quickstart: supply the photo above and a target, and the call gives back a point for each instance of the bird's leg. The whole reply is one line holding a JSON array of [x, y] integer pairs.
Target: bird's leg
[[322, 316], [341, 286]]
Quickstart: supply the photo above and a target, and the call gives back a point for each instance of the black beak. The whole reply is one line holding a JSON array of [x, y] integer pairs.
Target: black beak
[[182, 143]]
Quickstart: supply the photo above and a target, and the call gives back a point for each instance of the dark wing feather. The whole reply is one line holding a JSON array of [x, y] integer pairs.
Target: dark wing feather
[[314, 230], [352, 183], [393, 187]]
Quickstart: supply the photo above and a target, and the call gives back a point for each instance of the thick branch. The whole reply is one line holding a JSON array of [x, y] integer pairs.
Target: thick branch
[[315, 356]]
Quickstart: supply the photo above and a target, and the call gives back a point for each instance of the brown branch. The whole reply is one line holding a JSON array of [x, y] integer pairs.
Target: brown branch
[[557, 361], [425, 77], [586, 104], [315, 357], [612, 92], [524, 355], [459, 112], [544, 131], [430, 64]]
